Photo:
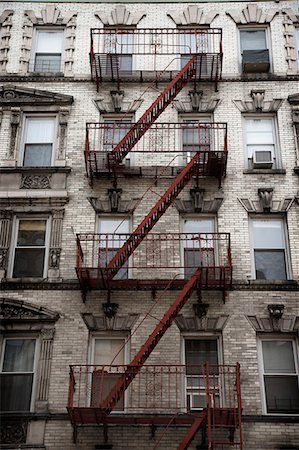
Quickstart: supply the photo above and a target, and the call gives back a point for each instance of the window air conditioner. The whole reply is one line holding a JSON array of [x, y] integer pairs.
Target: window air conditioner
[[262, 159]]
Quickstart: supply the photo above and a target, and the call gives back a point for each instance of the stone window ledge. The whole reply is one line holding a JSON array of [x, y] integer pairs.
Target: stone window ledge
[[264, 171], [35, 170]]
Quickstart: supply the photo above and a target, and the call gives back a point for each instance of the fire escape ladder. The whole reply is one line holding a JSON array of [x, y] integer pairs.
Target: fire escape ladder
[[189, 436], [123, 254], [153, 112], [135, 366]]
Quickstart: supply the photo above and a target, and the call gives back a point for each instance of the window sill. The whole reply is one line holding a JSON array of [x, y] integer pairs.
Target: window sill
[[40, 169], [264, 171], [46, 74], [273, 282]]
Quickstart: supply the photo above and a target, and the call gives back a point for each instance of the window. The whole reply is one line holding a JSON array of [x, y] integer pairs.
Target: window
[[38, 142], [279, 364], [199, 352], [269, 248], [113, 234], [119, 45], [48, 51], [29, 252], [195, 138], [17, 374], [116, 129], [254, 50], [107, 353], [261, 145], [198, 253]]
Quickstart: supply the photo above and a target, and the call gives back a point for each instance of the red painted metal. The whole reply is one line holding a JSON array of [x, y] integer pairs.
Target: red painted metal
[[170, 144], [154, 111], [189, 436], [122, 384]]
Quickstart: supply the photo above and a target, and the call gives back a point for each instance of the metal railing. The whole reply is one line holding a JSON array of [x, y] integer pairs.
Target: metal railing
[[164, 144]]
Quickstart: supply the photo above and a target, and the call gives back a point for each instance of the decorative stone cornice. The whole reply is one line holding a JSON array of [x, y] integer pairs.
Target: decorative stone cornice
[[205, 323], [12, 310], [104, 206], [105, 107], [193, 15], [258, 104], [195, 105], [26, 204], [198, 204], [102, 323], [252, 14], [50, 15], [13, 96], [287, 324], [120, 16], [266, 203]]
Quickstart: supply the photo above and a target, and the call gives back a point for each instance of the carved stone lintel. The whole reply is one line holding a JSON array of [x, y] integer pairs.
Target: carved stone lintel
[[252, 14], [120, 16], [193, 15], [265, 195], [35, 182], [258, 99], [117, 99], [197, 195], [11, 310]]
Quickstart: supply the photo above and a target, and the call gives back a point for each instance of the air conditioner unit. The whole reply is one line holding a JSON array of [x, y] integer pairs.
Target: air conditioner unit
[[262, 159]]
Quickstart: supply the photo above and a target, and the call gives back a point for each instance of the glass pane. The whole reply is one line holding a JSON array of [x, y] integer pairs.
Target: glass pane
[[16, 392], [259, 131], [46, 62], [114, 226], [102, 383], [19, 355], [270, 265], [198, 226], [203, 257], [31, 233], [39, 130], [106, 349], [37, 155], [124, 43], [199, 351], [278, 357], [29, 262], [49, 42], [253, 40], [105, 256], [125, 63], [267, 234], [282, 394]]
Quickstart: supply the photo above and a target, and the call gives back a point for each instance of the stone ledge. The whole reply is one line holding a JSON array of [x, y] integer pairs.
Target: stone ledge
[[35, 170], [264, 171]]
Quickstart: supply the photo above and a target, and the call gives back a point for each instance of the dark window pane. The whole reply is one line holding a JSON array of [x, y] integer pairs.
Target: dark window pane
[[125, 63], [253, 40], [270, 264], [282, 394], [37, 155], [47, 62], [204, 257], [31, 233], [105, 257], [29, 262], [19, 355], [102, 383], [200, 352], [16, 392]]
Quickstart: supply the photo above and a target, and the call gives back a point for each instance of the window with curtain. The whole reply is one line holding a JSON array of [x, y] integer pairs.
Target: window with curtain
[[30, 248], [261, 146], [38, 141], [113, 234], [269, 249], [198, 244], [48, 51], [107, 352], [280, 375], [17, 374], [197, 353]]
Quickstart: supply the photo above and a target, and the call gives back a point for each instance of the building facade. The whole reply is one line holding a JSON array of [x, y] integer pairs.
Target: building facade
[[149, 237]]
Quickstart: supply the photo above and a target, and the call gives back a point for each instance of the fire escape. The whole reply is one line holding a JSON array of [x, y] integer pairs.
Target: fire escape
[[105, 261]]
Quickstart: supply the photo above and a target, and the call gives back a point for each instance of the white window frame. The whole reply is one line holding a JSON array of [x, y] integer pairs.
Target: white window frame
[[126, 341], [189, 28], [38, 30], [15, 231], [277, 161], [107, 118], [186, 118], [112, 48], [285, 235], [254, 28], [35, 362], [25, 122], [201, 337], [282, 337]]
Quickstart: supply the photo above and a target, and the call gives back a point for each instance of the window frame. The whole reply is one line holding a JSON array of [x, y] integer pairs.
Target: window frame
[[185, 118], [91, 357], [198, 337], [277, 160], [35, 363], [25, 122], [36, 31], [114, 118], [253, 27], [285, 236], [295, 346], [15, 229], [118, 30]]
